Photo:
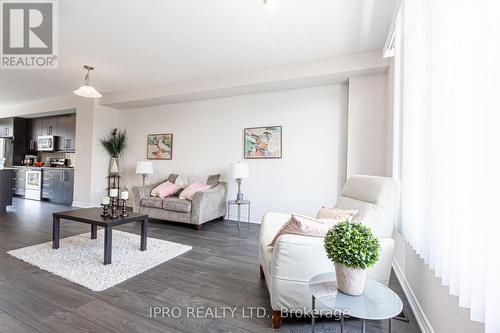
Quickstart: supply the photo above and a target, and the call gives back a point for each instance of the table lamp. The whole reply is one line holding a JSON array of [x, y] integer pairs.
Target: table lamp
[[239, 171], [144, 168]]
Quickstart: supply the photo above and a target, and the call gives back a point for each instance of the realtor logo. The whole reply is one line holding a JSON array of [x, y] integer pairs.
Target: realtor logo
[[28, 37]]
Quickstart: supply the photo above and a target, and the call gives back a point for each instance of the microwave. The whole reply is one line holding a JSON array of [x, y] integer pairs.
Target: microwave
[[46, 143]]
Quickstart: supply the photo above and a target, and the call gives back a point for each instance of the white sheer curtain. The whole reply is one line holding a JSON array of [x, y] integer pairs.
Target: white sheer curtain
[[447, 60]]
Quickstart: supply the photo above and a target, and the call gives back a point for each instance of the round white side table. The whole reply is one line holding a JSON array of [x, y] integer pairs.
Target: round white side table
[[377, 302]]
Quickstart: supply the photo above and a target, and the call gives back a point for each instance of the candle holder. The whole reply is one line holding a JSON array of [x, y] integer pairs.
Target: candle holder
[[114, 184], [114, 206], [124, 208], [105, 212]]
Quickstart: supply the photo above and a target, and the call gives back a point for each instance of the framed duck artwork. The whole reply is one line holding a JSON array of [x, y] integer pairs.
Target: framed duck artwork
[[262, 142]]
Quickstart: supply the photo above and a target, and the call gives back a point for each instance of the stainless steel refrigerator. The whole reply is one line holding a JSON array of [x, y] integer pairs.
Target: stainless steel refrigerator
[[7, 150]]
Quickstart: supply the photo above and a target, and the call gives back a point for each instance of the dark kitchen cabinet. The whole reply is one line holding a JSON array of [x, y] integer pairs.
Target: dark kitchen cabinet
[[19, 181], [36, 130], [48, 177], [71, 133], [68, 180], [6, 176], [6, 127], [61, 132], [57, 185], [49, 126], [65, 127], [36, 127]]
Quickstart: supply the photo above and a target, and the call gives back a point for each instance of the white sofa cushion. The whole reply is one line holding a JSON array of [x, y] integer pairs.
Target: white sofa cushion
[[370, 189], [376, 199]]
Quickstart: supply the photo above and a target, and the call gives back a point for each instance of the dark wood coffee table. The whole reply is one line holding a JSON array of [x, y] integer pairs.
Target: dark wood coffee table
[[93, 217]]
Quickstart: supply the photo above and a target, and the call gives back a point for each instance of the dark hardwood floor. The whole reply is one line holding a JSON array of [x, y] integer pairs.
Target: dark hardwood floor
[[221, 271]]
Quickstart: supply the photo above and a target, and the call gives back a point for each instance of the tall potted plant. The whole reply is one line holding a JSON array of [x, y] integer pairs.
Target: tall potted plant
[[353, 248], [114, 144]]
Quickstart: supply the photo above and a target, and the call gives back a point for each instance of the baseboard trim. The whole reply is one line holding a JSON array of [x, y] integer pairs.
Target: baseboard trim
[[422, 320], [81, 204]]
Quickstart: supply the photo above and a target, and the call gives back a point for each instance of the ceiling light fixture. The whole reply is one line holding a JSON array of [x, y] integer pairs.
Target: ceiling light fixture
[[270, 4], [87, 90]]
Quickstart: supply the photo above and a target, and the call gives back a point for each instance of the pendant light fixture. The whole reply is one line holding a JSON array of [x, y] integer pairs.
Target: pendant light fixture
[[87, 90]]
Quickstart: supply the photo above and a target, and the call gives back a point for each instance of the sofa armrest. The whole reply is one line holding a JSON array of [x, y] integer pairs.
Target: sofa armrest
[[270, 225], [140, 192], [210, 204], [296, 259], [299, 258]]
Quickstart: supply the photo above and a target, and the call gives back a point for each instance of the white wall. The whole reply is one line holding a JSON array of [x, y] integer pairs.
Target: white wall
[[208, 137], [91, 160], [104, 120], [82, 191], [368, 149]]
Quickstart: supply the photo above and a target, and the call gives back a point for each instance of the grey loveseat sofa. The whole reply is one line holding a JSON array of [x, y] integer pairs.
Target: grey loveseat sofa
[[206, 205]]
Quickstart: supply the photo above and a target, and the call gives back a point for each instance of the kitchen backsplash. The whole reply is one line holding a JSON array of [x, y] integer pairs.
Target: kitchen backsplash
[[46, 156]]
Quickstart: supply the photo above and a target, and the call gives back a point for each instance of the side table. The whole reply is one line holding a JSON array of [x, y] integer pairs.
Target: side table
[[238, 204], [377, 302]]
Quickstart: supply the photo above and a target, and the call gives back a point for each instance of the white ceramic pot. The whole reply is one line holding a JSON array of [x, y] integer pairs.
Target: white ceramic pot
[[114, 165], [350, 281]]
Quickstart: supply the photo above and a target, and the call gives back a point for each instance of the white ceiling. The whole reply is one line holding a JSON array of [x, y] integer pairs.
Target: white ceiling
[[135, 44]]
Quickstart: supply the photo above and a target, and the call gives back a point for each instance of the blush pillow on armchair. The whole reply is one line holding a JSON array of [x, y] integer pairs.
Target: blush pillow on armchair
[[165, 189], [188, 192], [305, 226]]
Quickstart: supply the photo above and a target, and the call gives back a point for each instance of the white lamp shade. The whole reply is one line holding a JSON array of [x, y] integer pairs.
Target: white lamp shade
[[144, 167], [240, 170], [87, 91]]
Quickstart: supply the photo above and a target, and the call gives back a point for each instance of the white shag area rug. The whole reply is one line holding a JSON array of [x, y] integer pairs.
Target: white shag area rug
[[80, 259]]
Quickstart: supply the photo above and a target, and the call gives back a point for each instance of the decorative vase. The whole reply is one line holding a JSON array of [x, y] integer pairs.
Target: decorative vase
[[350, 281], [114, 163]]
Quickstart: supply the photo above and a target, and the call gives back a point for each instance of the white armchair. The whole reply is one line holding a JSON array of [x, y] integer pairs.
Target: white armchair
[[294, 259]]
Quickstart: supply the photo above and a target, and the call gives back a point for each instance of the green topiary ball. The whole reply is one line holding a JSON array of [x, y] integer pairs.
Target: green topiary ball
[[352, 244]]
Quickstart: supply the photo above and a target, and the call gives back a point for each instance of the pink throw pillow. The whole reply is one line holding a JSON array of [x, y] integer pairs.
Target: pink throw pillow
[[165, 189], [305, 226], [188, 192]]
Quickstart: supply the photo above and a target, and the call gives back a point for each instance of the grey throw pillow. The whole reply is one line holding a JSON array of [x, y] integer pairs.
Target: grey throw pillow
[[172, 178], [213, 180], [176, 194]]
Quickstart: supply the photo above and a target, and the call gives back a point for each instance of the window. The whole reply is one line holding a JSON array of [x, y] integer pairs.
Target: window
[[447, 96]]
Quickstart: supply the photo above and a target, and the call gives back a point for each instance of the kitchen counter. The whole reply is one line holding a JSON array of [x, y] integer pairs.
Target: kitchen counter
[[58, 168], [44, 167]]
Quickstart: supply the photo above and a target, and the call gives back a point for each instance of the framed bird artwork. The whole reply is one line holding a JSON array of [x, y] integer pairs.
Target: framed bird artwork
[[262, 142], [160, 146]]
